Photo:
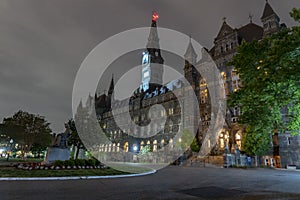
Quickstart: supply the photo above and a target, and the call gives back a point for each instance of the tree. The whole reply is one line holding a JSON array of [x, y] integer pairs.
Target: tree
[[74, 138], [27, 129], [295, 13], [195, 147], [270, 92]]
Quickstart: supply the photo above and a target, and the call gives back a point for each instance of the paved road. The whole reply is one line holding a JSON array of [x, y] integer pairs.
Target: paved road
[[169, 183]]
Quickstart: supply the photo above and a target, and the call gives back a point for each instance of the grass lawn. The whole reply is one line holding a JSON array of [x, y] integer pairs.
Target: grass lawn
[[13, 172], [7, 170]]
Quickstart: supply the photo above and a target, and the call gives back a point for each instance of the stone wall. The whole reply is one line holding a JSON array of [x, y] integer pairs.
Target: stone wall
[[289, 150]]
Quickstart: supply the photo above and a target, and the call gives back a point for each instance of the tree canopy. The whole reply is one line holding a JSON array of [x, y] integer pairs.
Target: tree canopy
[[270, 94], [27, 130]]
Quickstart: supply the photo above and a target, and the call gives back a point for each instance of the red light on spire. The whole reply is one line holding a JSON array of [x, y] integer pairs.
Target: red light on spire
[[155, 16]]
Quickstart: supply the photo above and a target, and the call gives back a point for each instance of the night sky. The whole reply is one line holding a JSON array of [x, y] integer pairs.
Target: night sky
[[43, 42]]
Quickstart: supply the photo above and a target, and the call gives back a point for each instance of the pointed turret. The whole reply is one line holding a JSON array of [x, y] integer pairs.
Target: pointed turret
[[90, 103], [268, 11], [152, 61], [79, 108], [190, 72], [270, 20], [111, 86], [190, 54], [80, 104], [153, 40], [110, 93]]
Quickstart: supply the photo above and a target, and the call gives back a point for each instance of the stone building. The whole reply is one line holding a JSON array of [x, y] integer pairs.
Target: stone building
[[165, 123], [149, 94], [225, 47]]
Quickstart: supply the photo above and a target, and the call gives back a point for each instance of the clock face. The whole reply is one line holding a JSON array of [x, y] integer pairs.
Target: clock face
[[146, 58]]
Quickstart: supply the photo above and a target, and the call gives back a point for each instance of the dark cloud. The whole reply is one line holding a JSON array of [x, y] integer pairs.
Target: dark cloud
[[42, 43]]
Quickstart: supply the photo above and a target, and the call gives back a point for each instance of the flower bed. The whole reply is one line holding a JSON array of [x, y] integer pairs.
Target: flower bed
[[65, 165]]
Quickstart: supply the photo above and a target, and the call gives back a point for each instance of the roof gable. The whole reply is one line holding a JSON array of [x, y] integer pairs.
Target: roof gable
[[225, 30], [268, 11]]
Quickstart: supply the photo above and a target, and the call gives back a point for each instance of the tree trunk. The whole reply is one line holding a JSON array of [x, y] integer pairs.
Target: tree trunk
[[39, 154], [77, 152]]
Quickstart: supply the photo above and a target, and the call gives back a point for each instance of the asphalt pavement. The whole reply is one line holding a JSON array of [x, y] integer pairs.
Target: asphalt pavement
[[173, 182]]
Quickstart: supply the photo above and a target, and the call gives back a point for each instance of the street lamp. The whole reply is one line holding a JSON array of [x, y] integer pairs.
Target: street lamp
[[11, 141]]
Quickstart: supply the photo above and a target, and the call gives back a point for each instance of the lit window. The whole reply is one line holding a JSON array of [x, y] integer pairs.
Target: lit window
[[162, 113], [233, 73], [154, 145], [203, 83], [171, 111]]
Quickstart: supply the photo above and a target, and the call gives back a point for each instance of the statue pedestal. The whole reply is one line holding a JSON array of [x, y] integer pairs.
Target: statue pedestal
[[57, 153]]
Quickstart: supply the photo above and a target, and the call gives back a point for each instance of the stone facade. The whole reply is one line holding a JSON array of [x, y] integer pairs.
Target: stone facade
[[152, 92], [289, 150]]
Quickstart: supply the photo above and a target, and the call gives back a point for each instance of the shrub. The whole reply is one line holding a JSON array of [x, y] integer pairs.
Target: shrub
[[58, 163], [70, 163], [79, 162], [91, 162]]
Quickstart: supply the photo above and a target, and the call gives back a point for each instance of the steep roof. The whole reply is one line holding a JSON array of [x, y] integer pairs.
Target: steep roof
[[268, 11], [212, 51], [251, 32], [153, 40], [190, 54], [225, 29]]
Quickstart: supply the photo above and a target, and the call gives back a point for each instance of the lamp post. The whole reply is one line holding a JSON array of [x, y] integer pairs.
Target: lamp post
[[11, 141]]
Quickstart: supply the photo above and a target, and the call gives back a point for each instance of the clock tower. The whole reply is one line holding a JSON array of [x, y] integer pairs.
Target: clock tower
[[152, 61]]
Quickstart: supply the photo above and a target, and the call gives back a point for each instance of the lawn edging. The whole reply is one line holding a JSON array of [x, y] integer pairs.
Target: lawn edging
[[75, 177]]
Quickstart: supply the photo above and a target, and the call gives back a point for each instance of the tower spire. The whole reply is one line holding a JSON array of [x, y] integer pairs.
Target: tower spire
[[153, 40], [270, 20], [111, 86], [152, 61], [190, 54]]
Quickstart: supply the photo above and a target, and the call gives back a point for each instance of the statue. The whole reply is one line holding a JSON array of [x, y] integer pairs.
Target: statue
[[59, 149], [61, 139]]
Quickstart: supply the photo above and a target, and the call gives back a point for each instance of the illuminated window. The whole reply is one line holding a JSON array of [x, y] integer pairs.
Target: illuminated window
[[234, 73], [203, 83], [142, 145], [114, 147], [236, 85], [223, 75], [126, 147], [238, 140], [204, 95], [162, 113], [154, 145], [171, 143], [222, 145], [118, 147]]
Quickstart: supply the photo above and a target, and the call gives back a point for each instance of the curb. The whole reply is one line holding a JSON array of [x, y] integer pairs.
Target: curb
[[75, 177], [288, 170]]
